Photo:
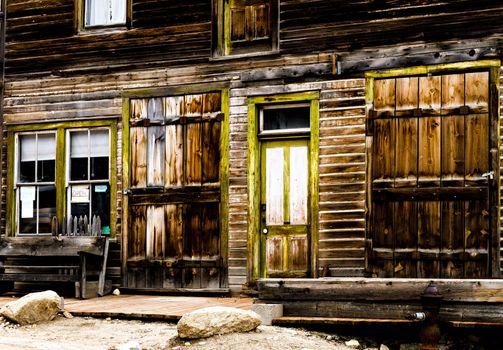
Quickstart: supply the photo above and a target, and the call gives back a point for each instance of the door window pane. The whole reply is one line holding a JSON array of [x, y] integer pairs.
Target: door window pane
[[284, 119]]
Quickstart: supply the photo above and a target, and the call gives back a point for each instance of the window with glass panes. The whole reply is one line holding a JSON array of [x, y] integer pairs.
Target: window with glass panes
[[89, 174], [105, 12], [35, 182]]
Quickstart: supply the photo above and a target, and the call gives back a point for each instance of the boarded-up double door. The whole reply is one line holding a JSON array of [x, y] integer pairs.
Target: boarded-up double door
[[432, 177], [174, 196]]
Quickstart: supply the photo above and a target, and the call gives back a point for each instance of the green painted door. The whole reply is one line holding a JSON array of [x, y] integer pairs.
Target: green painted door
[[285, 208]]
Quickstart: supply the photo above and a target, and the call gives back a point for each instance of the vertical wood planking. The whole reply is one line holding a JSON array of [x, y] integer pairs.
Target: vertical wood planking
[[385, 131], [174, 156], [139, 108], [452, 238], [429, 228], [477, 238], [453, 129], [210, 243], [138, 156], [155, 109], [384, 240], [193, 160], [477, 148], [192, 244], [406, 132], [477, 127], [429, 132], [174, 231], [211, 151], [405, 231], [156, 157], [172, 107], [137, 231]]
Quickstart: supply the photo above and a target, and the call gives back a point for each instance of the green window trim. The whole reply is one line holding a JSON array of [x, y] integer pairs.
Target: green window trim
[[60, 129], [254, 171]]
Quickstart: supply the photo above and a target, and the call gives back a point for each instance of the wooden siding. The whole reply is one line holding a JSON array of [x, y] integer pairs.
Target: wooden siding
[[55, 74], [342, 148], [41, 33]]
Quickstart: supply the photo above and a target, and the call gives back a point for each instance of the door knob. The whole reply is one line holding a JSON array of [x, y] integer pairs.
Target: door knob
[[264, 231]]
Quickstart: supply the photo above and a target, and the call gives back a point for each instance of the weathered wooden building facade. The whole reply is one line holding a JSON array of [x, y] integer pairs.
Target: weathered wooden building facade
[[223, 142]]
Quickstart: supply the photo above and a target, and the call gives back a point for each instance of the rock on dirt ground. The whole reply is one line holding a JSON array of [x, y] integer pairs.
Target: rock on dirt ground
[[82, 333]]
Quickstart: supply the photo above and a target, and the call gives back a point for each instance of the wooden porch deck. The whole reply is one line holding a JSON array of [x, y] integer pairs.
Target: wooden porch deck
[[152, 307]]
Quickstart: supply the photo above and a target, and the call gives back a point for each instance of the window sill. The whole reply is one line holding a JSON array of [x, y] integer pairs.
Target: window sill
[[99, 30], [244, 55]]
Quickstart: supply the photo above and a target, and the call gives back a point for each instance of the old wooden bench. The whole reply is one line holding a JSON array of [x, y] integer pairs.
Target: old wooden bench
[[54, 259]]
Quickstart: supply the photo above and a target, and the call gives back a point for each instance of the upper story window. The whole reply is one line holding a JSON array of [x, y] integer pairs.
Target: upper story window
[[246, 27], [95, 14], [105, 12]]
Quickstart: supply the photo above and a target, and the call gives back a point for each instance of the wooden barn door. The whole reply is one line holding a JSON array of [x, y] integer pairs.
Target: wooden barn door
[[430, 174], [173, 238], [284, 208]]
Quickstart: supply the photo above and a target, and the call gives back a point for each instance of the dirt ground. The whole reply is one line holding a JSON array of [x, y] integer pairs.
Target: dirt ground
[[84, 333]]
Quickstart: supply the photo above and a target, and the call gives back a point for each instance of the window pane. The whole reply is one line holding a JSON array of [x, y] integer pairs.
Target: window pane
[[99, 143], [78, 169], [80, 209], [28, 147], [79, 144], [99, 168], [286, 118], [27, 206], [27, 172], [46, 147], [46, 208], [101, 203], [79, 153], [28, 156], [46, 170]]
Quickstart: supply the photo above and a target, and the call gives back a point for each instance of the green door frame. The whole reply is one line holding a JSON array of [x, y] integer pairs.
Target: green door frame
[[254, 173]]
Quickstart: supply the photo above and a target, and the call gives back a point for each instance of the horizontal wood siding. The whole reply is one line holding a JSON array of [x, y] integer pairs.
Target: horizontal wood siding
[[342, 178], [42, 38]]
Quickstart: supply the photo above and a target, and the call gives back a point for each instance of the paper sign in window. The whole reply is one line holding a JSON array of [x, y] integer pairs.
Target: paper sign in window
[[27, 197], [80, 194]]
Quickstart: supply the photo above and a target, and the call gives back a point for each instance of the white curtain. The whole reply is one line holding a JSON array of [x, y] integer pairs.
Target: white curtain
[[105, 12]]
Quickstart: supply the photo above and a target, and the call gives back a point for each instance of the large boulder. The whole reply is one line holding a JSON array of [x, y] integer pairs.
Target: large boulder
[[214, 320], [34, 308]]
